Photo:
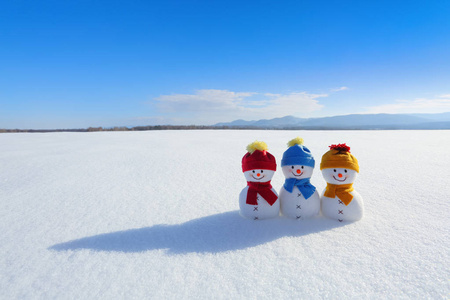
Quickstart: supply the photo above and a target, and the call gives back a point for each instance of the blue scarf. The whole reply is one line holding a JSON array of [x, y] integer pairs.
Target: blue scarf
[[305, 187]]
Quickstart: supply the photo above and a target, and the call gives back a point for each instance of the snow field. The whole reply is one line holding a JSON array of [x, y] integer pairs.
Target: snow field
[[132, 215]]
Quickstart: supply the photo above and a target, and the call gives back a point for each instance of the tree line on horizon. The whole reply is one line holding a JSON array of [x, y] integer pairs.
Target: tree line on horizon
[[124, 128], [442, 125]]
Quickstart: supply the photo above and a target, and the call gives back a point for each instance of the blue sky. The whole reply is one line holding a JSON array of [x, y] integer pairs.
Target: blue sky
[[67, 64]]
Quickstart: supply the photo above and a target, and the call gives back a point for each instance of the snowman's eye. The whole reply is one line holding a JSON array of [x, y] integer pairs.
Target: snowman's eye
[[345, 171], [292, 167], [262, 171], [303, 167], [253, 171], [335, 170]]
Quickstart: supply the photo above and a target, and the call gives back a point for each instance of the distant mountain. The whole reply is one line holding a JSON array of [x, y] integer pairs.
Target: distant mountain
[[277, 122], [353, 121], [443, 117]]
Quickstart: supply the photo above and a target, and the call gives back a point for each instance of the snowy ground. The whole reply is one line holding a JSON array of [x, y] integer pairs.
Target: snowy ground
[[115, 215]]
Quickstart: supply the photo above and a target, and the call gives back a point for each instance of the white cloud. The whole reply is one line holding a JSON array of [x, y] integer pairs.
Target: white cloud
[[421, 105], [202, 100], [212, 106], [342, 88], [291, 104]]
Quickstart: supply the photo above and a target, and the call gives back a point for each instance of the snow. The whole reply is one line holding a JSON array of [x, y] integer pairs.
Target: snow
[[155, 214]]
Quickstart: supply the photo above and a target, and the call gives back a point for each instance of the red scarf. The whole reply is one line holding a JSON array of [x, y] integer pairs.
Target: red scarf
[[262, 188]]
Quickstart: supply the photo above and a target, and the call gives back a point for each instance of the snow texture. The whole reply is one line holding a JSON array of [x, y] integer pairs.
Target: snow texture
[[155, 214]]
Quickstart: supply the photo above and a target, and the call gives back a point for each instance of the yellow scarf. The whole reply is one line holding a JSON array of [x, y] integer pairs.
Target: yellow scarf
[[341, 191]]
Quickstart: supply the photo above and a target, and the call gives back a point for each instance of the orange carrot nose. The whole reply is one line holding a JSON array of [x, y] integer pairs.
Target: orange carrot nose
[[339, 175], [258, 175], [298, 171]]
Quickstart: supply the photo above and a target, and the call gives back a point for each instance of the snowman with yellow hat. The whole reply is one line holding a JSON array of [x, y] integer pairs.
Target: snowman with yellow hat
[[339, 200]]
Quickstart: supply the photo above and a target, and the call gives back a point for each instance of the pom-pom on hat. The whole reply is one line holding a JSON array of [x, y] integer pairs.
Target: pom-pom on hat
[[257, 157], [339, 156], [297, 154]]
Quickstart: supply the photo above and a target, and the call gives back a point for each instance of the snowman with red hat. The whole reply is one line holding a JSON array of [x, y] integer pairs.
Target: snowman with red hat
[[339, 200], [299, 198], [258, 200]]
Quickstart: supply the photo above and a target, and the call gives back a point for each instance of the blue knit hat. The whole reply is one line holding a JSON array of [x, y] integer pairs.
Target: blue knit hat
[[297, 154]]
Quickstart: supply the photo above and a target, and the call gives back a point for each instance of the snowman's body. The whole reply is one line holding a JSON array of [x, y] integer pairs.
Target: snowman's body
[[294, 204], [263, 210], [335, 208]]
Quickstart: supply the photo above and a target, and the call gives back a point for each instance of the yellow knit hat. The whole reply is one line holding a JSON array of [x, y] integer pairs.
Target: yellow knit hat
[[339, 156]]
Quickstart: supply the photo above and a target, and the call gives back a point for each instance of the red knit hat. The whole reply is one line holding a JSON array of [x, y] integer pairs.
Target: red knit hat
[[257, 157]]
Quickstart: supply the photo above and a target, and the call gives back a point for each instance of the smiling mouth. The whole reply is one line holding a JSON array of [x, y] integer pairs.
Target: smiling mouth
[[258, 178], [340, 180], [297, 175]]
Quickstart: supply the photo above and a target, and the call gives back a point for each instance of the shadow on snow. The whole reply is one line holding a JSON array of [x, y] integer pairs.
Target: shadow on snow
[[216, 233]]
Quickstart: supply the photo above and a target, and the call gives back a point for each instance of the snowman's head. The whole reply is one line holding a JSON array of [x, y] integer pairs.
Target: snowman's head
[[297, 171], [297, 161], [339, 176], [258, 165], [259, 175]]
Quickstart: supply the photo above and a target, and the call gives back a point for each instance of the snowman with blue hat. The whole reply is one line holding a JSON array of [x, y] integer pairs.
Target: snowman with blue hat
[[299, 199]]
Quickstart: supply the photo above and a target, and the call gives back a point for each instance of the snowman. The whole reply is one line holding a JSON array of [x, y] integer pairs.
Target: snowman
[[299, 199], [339, 200], [258, 200]]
